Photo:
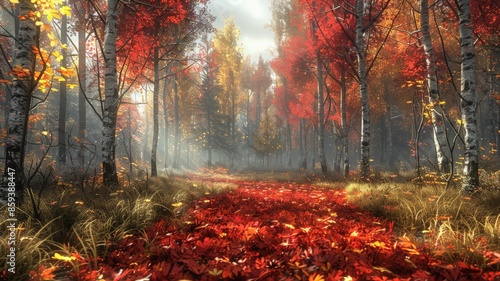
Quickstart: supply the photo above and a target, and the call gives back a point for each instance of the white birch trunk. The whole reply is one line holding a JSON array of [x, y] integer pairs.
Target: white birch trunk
[[82, 106], [493, 113], [63, 91], [177, 126], [20, 102], [437, 114], [468, 94], [321, 116], [156, 93], [343, 124], [111, 95], [363, 90], [388, 124], [303, 144]]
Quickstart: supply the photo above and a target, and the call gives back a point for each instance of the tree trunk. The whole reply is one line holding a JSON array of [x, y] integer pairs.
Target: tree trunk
[[493, 113], [303, 144], [337, 151], [363, 90], [232, 138], [248, 127], [257, 109], [177, 126], [82, 80], [287, 124], [111, 101], [321, 116], [156, 93], [20, 103], [209, 140], [468, 94], [437, 114], [165, 113], [388, 124], [129, 138], [343, 123], [63, 91], [145, 150]]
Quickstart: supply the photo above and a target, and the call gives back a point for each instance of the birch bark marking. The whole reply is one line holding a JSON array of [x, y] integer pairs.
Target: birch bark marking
[[63, 92], [321, 115], [363, 90], [156, 93], [468, 94], [343, 124], [82, 107], [111, 95], [437, 114], [20, 102]]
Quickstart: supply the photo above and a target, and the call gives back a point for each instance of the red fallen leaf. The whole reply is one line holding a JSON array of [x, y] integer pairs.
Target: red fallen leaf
[[248, 239], [260, 263], [195, 267], [492, 257], [316, 277], [121, 274], [43, 273]]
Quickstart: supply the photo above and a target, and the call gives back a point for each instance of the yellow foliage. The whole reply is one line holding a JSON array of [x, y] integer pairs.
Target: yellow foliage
[[63, 258]]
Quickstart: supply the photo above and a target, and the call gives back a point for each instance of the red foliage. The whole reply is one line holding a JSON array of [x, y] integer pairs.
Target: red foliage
[[276, 231]]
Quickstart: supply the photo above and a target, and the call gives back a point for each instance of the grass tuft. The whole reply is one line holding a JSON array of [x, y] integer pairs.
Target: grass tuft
[[81, 231], [453, 226]]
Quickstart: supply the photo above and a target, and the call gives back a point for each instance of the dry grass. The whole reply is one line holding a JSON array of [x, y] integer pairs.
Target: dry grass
[[453, 226], [70, 224]]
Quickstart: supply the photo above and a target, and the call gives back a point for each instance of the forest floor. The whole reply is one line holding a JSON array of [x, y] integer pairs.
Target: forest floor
[[275, 231]]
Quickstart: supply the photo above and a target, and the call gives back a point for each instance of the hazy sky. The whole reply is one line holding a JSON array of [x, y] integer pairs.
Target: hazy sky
[[251, 17]]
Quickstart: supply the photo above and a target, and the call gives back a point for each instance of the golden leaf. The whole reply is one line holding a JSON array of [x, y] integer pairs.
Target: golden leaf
[[63, 258], [65, 11], [215, 272]]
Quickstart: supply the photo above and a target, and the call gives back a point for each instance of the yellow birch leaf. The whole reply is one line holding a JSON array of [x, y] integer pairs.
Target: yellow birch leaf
[[63, 258], [65, 11]]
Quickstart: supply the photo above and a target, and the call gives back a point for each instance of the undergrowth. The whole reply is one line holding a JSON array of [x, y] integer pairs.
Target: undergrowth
[[447, 223], [80, 225]]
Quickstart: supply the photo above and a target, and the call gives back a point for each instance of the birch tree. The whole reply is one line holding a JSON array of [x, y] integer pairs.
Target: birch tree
[[363, 91], [111, 101], [468, 97], [20, 102], [437, 113], [63, 92]]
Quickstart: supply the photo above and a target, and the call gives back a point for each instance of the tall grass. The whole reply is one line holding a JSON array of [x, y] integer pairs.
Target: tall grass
[[453, 226], [76, 222]]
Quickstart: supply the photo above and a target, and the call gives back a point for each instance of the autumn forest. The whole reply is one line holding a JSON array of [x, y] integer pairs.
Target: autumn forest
[[141, 141]]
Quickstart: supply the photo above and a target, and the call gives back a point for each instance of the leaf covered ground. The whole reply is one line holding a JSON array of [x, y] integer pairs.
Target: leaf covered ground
[[274, 231]]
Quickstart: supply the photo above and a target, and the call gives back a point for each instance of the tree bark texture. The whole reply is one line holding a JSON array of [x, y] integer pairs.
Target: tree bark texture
[[177, 126], [321, 115], [343, 124], [437, 114], [20, 102], [468, 95], [111, 101], [303, 144], [363, 90], [82, 106], [156, 93], [63, 92]]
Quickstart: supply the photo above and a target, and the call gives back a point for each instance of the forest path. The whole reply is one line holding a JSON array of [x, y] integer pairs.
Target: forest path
[[280, 231]]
